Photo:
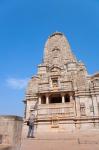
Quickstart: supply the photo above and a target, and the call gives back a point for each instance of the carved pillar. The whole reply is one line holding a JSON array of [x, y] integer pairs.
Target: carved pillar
[[39, 100], [95, 105], [63, 98], [71, 97], [47, 99], [77, 106]]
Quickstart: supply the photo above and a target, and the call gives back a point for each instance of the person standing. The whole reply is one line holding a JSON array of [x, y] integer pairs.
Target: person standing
[[31, 126]]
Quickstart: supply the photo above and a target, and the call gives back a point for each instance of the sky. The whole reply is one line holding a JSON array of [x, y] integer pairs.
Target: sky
[[24, 28]]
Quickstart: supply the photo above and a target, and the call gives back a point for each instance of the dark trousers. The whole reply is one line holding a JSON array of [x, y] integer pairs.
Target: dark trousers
[[31, 131]]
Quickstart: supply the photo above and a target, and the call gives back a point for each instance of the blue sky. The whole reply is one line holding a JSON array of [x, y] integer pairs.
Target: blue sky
[[24, 28]]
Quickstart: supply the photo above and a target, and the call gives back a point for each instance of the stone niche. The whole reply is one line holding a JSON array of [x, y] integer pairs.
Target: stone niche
[[10, 132]]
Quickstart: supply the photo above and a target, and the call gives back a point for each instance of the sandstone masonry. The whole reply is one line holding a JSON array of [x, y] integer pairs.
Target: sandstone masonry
[[62, 95]]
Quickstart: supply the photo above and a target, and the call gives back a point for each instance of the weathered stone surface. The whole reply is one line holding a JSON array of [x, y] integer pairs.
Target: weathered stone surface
[[88, 140], [10, 132], [62, 95]]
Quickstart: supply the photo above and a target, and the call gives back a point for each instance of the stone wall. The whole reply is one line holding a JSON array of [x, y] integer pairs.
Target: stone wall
[[10, 132]]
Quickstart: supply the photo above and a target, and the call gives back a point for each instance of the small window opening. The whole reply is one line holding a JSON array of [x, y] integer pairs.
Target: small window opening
[[82, 109], [55, 82], [67, 98]]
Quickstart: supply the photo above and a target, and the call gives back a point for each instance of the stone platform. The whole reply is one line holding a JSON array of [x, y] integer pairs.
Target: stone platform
[[88, 140]]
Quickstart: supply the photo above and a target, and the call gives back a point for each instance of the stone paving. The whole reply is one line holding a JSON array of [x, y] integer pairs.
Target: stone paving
[[57, 141]]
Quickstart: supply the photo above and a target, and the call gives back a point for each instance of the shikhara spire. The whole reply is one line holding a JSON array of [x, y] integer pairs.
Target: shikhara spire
[[57, 50]]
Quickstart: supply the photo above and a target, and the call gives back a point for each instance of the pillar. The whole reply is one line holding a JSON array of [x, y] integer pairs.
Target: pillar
[[39, 100], [63, 98], [77, 106], [95, 105], [47, 99], [71, 97]]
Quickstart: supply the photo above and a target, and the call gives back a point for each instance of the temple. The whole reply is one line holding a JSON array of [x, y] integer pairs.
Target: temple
[[62, 95]]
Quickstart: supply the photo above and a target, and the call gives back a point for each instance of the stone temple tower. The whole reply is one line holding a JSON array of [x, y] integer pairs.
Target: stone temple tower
[[62, 95]]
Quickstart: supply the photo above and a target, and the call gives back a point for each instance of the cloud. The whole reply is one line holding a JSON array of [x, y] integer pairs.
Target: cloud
[[17, 84]]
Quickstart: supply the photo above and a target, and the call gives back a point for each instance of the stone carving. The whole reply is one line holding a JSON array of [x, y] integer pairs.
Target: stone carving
[[61, 74]]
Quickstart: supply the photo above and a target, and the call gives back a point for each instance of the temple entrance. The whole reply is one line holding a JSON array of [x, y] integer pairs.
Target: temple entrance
[[56, 98]]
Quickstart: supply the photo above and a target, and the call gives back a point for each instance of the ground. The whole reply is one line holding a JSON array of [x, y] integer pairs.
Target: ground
[[82, 140]]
